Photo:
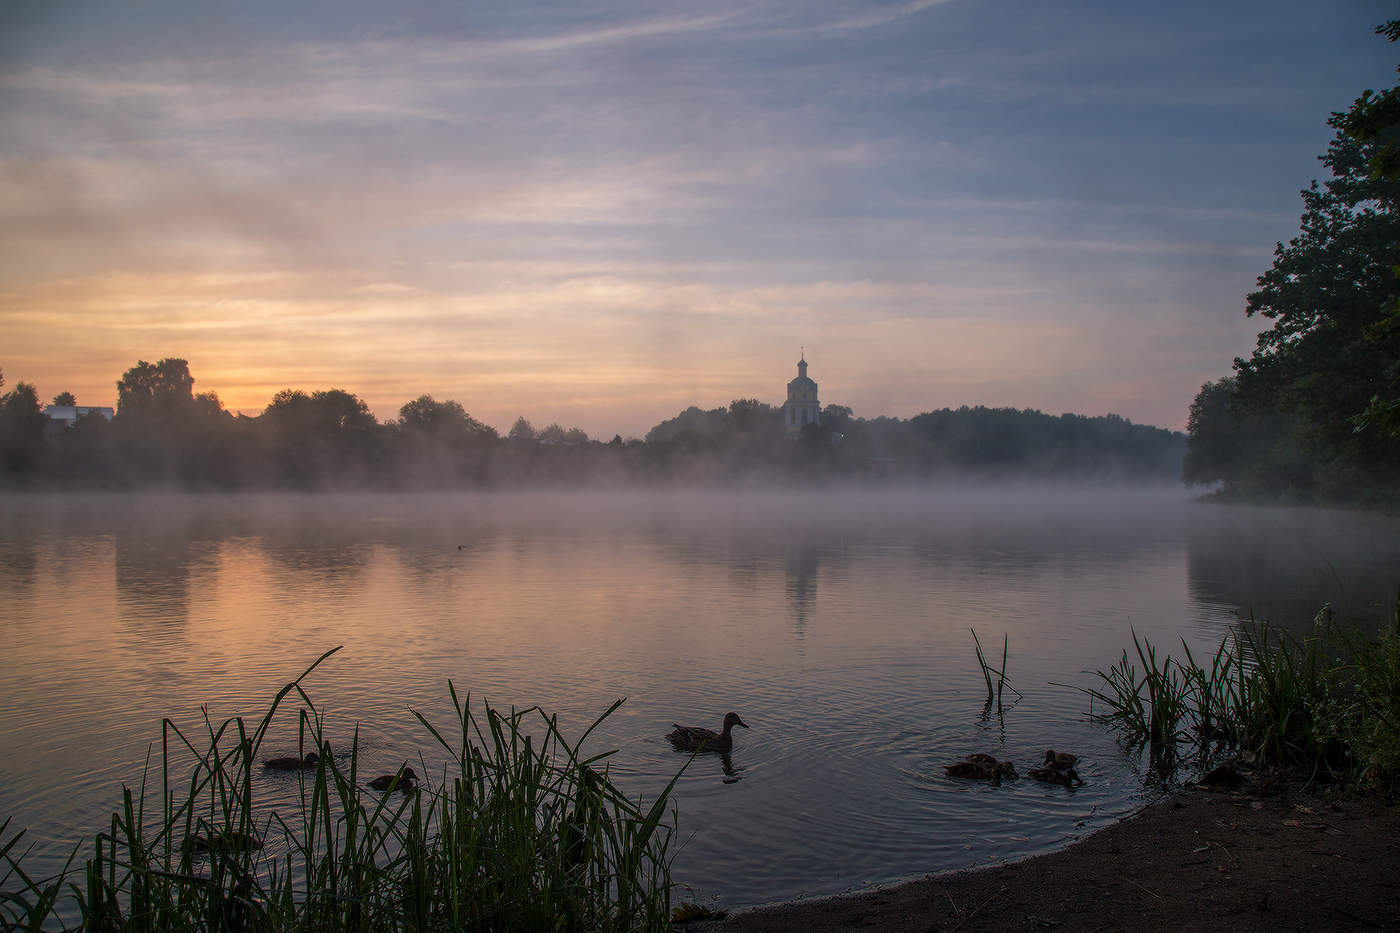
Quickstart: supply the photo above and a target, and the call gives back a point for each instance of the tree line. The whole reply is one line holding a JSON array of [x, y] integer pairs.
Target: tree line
[[164, 434], [1313, 415]]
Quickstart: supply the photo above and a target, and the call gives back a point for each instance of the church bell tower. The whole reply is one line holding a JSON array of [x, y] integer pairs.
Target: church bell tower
[[801, 407]]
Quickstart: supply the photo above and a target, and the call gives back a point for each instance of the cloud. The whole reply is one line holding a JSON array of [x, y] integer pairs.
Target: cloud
[[945, 201]]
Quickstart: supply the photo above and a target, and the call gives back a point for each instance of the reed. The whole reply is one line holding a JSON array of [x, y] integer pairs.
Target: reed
[[988, 671], [1326, 705], [522, 831]]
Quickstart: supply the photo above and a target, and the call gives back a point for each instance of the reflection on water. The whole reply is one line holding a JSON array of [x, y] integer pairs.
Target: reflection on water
[[837, 625], [802, 561], [1270, 562]]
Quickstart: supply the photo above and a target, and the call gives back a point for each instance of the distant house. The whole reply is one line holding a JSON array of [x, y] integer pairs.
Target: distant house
[[801, 407], [65, 416]]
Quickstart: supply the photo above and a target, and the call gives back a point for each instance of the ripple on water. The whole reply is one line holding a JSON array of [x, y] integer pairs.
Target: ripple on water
[[837, 626]]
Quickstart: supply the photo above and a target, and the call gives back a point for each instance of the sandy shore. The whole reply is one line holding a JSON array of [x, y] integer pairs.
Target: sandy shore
[[1260, 858]]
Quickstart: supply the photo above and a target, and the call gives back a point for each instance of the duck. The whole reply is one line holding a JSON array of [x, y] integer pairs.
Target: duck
[[1060, 761], [981, 767], [231, 840], [292, 763], [1067, 777], [696, 737], [983, 758], [407, 781]]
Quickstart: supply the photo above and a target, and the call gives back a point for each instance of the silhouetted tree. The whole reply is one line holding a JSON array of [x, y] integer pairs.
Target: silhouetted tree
[[522, 430], [1374, 121], [1213, 453], [22, 423], [440, 444], [749, 414], [326, 438], [441, 419], [64, 398], [155, 390], [86, 454], [155, 405], [836, 418], [1332, 355]]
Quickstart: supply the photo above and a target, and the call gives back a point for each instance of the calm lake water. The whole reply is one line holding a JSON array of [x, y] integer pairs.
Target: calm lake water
[[838, 624]]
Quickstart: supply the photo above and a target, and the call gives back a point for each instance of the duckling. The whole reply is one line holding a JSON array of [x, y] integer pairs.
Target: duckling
[[982, 757], [1067, 778], [1060, 761], [292, 763], [694, 737], [407, 781], [981, 767], [222, 840]]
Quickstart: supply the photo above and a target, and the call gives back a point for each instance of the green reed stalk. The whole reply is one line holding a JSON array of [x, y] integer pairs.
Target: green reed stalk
[[521, 832], [1326, 706], [982, 663], [988, 671]]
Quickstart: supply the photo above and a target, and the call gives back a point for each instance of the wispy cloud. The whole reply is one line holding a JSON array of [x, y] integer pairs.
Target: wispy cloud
[[948, 202]]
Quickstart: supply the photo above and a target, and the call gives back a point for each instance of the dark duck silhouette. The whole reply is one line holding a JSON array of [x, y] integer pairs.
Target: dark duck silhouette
[[292, 763], [1060, 761], [694, 737], [981, 767], [225, 840], [1066, 778], [407, 781], [983, 758]]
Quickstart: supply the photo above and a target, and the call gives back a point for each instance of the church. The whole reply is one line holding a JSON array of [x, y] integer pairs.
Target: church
[[801, 407]]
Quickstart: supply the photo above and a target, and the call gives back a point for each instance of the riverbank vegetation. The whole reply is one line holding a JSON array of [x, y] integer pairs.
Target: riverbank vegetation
[[522, 831], [1325, 707], [165, 435], [1313, 415]]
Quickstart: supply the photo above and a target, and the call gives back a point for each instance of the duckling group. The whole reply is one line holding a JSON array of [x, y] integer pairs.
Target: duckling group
[[404, 779], [1058, 768]]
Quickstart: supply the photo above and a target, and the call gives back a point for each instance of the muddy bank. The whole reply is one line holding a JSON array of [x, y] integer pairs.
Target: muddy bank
[[1259, 858]]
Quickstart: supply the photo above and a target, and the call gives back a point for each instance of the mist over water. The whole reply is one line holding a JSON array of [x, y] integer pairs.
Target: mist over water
[[835, 622]]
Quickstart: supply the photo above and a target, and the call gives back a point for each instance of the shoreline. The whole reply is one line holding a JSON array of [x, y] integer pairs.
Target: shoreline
[[1264, 857]]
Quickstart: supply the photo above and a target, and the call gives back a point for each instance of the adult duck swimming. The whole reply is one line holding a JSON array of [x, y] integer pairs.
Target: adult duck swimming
[[292, 763], [695, 737]]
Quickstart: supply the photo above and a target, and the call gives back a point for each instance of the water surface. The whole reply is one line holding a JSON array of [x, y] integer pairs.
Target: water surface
[[837, 624]]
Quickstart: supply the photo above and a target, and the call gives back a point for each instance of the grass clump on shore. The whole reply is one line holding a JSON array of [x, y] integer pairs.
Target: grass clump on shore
[[1326, 705], [523, 832]]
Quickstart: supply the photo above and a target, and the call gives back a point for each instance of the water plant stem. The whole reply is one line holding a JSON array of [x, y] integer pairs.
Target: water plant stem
[[522, 831]]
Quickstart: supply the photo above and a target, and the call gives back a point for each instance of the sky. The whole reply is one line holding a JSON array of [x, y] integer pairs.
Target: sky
[[600, 213]]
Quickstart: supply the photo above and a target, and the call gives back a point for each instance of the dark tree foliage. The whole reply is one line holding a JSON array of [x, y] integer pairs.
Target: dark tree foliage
[[946, 444], [446, 419], [836, 418], [1253, 453], [328, 438], [155, 391], [87, 454], [1326, 369], [156, 424], [694, 426], [439, 444], [1375, 121], [1007, 441], [64, 398], [22, 423], [165, 434], [522, 430]]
